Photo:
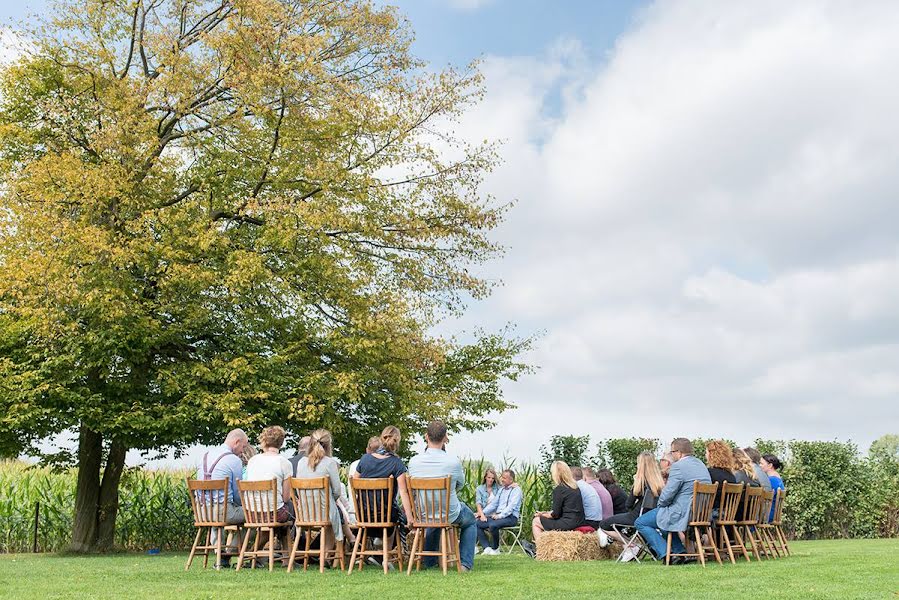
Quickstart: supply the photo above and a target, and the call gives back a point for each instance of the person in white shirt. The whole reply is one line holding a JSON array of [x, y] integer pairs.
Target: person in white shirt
[[268, 465]]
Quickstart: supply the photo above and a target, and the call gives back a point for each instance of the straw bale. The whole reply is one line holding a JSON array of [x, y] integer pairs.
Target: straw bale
[[567, 546]]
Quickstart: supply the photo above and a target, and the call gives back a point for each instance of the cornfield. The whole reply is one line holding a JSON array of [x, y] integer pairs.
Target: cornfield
[[153, 509]]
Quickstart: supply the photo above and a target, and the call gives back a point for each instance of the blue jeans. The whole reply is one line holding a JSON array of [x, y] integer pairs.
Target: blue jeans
[[468, 534], [493, 526], [648, 528]]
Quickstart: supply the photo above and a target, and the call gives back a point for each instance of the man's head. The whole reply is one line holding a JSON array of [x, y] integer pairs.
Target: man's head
[[681, 447], [754, 455], [589, 474], [237, 440], [303, 446], [507, 477], [436, 434], [578, 473]]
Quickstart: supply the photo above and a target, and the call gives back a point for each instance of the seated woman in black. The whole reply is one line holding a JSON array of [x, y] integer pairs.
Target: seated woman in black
[[567, 512], [719, 458], [383, 463], [619, 497], [648, 484]]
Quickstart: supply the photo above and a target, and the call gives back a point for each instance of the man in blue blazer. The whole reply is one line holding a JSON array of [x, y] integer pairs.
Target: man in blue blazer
[[673, 508]]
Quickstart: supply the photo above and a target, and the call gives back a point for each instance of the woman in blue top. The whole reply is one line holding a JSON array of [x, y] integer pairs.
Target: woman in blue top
[[771, 466], [484, 492]]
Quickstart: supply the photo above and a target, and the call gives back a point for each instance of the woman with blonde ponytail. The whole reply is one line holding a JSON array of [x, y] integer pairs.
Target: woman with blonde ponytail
[[318, 462]]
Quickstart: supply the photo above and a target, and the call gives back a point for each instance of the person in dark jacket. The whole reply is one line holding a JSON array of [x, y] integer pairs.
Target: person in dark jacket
[[619, 497], [719, 458], [567, 511]]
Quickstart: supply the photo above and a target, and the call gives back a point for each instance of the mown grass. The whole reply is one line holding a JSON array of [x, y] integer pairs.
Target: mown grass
[[820, 569]]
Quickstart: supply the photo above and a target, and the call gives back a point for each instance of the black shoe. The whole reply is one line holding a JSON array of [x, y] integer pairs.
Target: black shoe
[[676, 560], [529, 548], [689, 559]]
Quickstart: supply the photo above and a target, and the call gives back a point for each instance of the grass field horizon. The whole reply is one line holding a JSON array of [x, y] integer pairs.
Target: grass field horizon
[[818, 569]]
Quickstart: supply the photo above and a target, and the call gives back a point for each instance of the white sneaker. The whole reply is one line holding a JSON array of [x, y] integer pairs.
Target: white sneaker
[[478, 549], [490, 552], [603, 538], [629, 554]]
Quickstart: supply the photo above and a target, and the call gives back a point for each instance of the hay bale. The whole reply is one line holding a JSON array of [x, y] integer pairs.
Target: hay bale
[[567, 546]]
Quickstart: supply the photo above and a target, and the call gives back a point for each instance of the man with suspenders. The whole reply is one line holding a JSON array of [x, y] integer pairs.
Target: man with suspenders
[[224, 461]]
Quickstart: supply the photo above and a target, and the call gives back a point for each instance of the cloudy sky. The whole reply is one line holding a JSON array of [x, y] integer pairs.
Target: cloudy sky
[[706, 220]]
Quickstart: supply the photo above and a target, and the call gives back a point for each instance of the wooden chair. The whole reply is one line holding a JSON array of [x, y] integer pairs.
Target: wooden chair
[[312, 505], [700, 523], [777, 522], [260, 506], [373, 499], [208, 500], [752, 500], [430, 510], [731, 496], [763, 529]]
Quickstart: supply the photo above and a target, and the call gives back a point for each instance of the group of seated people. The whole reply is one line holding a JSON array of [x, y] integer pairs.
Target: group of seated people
[[237, 461], [659, 500]]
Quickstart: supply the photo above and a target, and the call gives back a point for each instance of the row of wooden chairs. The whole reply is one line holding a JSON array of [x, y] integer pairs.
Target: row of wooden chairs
[[311, 501], [744, 523]]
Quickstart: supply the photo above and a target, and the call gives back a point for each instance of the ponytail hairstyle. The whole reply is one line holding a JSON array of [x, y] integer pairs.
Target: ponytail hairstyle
[[390, 439], [320, 446]]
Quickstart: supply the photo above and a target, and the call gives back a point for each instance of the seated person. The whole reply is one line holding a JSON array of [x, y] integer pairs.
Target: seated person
[[743, 471], [435, 462], [619, 498], [503, 510], [756, 458], [268, 465], [374, 442], [648, 484], [567, 512], [665, 464], [719, 458], [219, 463], [319, 462], [592, 505], [382, 463], [771, 466], [605, 497], [672, 512], [484, 493]]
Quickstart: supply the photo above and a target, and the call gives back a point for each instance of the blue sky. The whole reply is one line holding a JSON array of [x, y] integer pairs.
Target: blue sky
[[705, 219]]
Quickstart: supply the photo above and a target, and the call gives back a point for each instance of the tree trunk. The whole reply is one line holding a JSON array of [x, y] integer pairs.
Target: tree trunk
[[87, 491], [108, 502]]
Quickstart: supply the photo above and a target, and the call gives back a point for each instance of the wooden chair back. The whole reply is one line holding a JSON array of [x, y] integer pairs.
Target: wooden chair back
[[374, 501], [208, 500], [703, 503], [752, 499], [765, 507], [779, 507], [430, 501], [731, 495], [260, 502], [311, 500]]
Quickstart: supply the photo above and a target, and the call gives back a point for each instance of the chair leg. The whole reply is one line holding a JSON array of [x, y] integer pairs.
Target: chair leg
[[243, 548], [206, 547], [444, 546], [714, 546], [193, 549], [457, 549], [783, 540], [725, 540], [741, 542], [322, 553], [355, 552], [385, 551], [308, 547], [218, 548], [699, 549], [294, 548], [398, 547], [413, 550]]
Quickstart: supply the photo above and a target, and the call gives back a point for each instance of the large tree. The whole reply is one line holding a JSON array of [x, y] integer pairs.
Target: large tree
[[222, 213]]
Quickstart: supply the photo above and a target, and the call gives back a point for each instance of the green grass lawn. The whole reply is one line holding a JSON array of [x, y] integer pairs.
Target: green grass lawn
[[826, 569]]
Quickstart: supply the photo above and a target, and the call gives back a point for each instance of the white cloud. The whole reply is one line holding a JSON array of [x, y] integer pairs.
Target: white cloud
[[706, 229]]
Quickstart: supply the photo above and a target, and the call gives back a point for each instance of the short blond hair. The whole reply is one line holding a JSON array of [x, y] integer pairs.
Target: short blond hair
[[272, 437]]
